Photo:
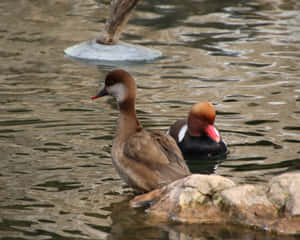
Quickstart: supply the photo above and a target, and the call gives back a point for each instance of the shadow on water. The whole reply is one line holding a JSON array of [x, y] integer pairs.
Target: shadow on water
[[137, 224], [204, 165]]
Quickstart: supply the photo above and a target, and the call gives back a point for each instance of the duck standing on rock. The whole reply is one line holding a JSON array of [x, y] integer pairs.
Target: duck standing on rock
[[196, 136], [145, 160]]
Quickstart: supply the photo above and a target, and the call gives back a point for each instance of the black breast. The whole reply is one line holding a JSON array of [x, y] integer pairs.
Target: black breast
[[201, 147]]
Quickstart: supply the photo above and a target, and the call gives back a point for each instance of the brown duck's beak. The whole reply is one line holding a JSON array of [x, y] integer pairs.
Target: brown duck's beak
[[102, 93], [213, 133]]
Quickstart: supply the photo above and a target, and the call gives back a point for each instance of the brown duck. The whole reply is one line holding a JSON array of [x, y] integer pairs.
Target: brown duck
[[145, 160]]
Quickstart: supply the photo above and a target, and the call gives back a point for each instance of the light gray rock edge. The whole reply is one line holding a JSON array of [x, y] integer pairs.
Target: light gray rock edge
[[92, 51]]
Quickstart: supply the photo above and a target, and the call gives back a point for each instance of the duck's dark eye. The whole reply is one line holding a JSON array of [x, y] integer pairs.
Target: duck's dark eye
[[110, 81]]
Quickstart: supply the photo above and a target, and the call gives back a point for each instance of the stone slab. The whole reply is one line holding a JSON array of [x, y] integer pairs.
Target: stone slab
[[121, 52]]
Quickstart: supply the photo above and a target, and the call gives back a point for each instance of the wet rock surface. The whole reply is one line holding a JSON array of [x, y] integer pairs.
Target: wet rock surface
[[215, 199]]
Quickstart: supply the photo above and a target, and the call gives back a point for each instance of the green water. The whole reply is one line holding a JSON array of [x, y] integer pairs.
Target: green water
[[56, 176]]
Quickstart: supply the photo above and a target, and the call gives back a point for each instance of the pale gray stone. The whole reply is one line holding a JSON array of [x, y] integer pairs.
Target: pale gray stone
[[208, 184], [245, 196], [284, 192], [92, 51]]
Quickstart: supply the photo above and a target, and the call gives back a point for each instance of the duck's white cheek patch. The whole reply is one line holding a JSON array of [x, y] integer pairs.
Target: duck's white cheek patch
[[118, 91], [182, 132]]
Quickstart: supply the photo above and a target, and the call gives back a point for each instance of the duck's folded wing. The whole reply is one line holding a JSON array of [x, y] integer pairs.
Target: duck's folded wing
[[158, 151], [142, 147], [176, 128], [170, 148], [167, 143]]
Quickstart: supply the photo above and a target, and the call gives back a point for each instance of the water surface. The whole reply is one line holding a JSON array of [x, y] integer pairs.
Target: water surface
[[57, 179]]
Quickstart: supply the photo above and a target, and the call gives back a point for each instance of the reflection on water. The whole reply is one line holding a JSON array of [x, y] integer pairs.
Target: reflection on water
[[57, 179], [135, 224]]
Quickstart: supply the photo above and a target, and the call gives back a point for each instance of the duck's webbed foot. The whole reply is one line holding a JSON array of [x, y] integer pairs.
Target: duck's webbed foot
[[105, 38]]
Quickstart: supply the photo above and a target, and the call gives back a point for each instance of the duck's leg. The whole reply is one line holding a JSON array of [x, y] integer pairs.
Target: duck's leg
[[119, 15]]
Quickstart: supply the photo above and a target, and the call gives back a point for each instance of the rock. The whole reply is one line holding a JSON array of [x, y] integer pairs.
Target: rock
[[245, 195], [284, 192], [215, 199], [208, 184], [188, 199], [246, 204], [120, 52]]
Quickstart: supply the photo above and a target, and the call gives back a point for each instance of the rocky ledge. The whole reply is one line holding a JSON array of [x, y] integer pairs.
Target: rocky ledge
[[274, 207]]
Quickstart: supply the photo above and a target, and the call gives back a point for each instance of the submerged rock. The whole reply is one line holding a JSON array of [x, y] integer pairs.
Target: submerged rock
[[215, 199]]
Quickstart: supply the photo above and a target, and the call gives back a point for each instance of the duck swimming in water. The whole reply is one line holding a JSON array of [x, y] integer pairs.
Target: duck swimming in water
[[196, 136], [145, 160]]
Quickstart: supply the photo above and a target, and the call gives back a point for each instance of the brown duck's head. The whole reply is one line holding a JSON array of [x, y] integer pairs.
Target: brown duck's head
[[201, 121], [119, 84]]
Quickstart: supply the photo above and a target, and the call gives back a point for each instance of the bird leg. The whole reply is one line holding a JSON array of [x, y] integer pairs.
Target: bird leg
[[118, 18]]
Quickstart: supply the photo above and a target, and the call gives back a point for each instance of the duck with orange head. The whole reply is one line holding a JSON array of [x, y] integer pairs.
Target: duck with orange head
[[197, 135]]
